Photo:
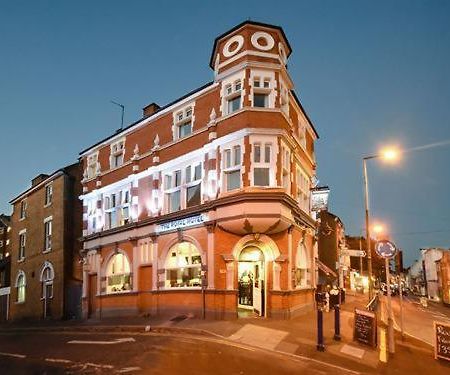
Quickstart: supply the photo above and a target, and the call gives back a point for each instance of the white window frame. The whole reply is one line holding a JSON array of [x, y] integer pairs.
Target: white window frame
[[92, 165], [286, 168], [303, 189], [21, 274], [117, 204], [117, 150], [302, 262], [262, 82], [232, 87], [23, 209], [234, 165], [181, 117], [47, 282], [184, 183], [48, 232], [264, 141], [48, 195], [22, 245]]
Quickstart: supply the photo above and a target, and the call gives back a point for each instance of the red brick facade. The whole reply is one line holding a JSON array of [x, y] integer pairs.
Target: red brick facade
[[203, 205]]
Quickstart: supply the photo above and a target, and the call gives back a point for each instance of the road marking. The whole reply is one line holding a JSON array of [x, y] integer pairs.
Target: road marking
[[98, 366], [129, 369], [116, 341], [57, 360], [13, 355]]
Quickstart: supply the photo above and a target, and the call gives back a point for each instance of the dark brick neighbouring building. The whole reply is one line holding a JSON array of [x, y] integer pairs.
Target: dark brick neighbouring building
[[45, 269]]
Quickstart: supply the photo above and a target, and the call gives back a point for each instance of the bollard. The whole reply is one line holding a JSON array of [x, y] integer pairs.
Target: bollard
[[320, 345], [337, 323], [383, 349]]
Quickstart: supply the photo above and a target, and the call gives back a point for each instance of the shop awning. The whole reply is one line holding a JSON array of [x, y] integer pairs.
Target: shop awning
[[324, 268]]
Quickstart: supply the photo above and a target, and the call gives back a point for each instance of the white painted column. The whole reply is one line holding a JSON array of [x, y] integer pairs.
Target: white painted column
[[230, 275], [210, 257], [155, 265], [290, 258], [276, 275], [98, 263], [136, 262]]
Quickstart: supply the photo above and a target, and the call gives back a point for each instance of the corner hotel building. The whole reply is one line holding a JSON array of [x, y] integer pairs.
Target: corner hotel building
[[203, 205]]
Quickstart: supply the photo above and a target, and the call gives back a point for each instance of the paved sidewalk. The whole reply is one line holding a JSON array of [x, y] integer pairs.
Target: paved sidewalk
[[289, 337]]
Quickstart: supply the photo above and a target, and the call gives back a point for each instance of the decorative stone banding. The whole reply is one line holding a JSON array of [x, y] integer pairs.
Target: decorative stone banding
[[269, 42]]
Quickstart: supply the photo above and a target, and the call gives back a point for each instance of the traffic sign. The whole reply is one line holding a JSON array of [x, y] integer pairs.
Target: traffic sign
[[385, 249], [353, 253]]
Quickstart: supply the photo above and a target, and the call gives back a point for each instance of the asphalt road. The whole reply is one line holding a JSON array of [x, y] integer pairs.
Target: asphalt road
[[94, 353], [418, 320]]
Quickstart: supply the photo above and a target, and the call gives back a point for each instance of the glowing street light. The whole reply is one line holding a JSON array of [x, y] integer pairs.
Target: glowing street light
[[378, 229], [388, 154]]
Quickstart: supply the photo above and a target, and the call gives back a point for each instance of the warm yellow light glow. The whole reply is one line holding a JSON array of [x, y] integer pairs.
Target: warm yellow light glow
[[389, 154], [378, 228]]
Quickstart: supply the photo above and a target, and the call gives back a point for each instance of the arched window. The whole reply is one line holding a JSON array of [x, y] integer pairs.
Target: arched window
[[47, 276], [302, 267], [118, 274], [21, 283], [183, 266]]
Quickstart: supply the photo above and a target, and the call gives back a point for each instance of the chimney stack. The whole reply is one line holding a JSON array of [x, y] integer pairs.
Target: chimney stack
[[150, 109]]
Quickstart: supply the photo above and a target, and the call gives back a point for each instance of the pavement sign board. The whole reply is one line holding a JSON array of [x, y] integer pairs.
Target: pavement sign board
[[365, 327], [442, 340]]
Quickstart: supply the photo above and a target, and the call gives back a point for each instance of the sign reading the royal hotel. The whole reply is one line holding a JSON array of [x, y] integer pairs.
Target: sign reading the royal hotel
[[181, 223]]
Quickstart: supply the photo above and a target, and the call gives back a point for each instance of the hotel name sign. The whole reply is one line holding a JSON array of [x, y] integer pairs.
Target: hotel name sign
[[181, 223]]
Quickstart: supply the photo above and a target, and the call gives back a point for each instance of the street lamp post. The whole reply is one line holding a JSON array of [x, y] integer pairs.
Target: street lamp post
[[389, 155], [366, 204]]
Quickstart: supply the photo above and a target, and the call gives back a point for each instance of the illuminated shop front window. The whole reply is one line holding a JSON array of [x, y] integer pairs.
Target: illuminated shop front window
[[118, 275], [183, 266], [301, 267]]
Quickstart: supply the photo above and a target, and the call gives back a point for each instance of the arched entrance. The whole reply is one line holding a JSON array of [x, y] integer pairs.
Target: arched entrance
[[251, 280]]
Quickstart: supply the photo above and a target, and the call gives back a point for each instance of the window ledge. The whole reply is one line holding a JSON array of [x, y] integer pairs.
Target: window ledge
[[48, 205], [19, 303], [22, 218], [46, 251], [21, 260]]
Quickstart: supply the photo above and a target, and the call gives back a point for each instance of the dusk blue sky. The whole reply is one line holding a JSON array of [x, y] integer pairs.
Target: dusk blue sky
[[368, 74]]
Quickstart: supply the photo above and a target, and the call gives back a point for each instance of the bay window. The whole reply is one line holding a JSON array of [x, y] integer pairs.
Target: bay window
[[303, 190], [262, 156], [232, 168], [233, 96], [286, 168], [261, 91]]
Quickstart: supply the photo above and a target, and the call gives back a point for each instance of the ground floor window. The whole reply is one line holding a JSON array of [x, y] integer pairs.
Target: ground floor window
[[118, 274], [301, 267], [183, 266], [21, 285], [47, 276]]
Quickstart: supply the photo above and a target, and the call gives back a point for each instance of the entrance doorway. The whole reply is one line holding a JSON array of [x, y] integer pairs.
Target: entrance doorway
[[251, 280]]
